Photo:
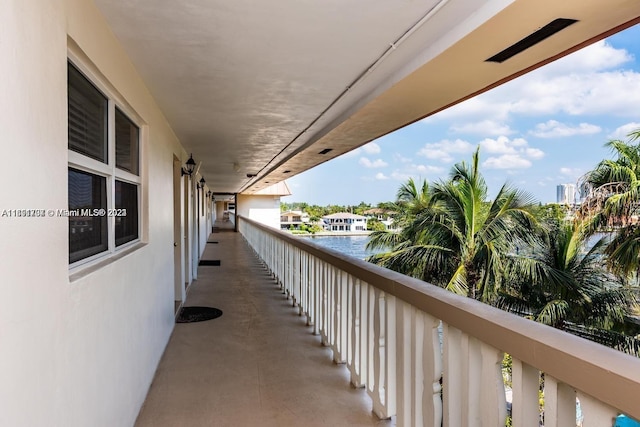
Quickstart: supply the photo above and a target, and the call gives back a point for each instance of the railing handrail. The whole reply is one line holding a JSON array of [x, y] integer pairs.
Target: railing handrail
[[613, 377]]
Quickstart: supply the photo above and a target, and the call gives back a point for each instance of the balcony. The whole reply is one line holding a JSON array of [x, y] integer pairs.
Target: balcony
[[413, 353]]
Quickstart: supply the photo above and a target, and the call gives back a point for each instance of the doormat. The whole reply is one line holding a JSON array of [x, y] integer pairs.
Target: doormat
[[213, 242], [209, 262], [198, 314]]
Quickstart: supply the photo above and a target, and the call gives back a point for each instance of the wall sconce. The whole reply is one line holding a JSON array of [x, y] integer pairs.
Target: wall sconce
[[209, 193], [189, 166], [202, 182]]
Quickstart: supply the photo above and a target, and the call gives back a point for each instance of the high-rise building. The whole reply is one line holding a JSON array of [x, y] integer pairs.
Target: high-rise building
[[566, 194]]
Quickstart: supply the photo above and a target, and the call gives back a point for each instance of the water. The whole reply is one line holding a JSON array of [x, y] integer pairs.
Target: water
[[349, 245]]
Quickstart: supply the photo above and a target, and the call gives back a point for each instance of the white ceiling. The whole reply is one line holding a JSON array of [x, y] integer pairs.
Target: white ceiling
[[268, 85]]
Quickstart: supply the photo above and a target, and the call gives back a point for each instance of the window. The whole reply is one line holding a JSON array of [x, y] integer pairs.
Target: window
[[87, 234], [104, 171]]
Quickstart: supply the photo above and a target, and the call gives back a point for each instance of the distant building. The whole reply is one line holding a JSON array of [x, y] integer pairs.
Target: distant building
[[566, 194], [385, 216], [344, 221], [293, 218]]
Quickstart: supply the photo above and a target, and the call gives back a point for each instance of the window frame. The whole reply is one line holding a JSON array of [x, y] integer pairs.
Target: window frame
[[109, 170]]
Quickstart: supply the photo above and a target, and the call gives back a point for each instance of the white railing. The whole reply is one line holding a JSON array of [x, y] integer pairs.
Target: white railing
[[428, 356]]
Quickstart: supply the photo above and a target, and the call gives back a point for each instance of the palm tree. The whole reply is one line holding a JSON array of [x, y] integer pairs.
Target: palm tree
[[563, 281], [411, 200], [613, 199], [459, 240]]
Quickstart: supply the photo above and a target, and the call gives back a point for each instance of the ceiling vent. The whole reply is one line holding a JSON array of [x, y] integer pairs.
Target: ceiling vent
[[533, 39], [326, 150]]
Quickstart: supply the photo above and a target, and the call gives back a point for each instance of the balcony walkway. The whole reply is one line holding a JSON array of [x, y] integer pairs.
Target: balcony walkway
[[257, 365]]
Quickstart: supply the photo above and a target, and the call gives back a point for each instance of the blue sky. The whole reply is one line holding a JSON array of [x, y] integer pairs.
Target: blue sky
[[546, 128]]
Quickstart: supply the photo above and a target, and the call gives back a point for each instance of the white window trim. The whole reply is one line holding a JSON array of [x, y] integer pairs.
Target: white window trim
[[110, 171]]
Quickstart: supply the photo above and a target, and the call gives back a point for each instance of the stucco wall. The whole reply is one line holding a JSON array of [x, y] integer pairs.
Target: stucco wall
[[264, 209], [74, 352]]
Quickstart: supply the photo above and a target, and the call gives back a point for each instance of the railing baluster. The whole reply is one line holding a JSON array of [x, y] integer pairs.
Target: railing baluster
[[525, 406], [364, 333], [453, 386], [428, 390], [494, 404], [596, 413], [383, 390], [377, 349], [559, 403], [356, 335]]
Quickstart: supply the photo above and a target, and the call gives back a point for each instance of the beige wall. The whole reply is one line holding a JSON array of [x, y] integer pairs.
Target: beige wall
[[264, 209], [77, 351]]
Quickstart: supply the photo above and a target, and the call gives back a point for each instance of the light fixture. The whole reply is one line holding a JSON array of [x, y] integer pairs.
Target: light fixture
[[209, 193], [189, 166], [252, 175], [202, 182]]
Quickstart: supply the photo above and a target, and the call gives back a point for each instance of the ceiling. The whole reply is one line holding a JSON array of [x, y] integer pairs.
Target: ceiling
[[261, 88]]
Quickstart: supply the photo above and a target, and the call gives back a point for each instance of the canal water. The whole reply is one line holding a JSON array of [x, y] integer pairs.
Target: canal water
[[349, 245]]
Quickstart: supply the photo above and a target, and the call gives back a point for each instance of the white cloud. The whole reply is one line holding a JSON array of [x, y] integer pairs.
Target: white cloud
[[442, 150], [400, 158], [623, 131], [516, 150], [484, 128], [378, 163], [534, 153], [582, 83], [507, 161], [571, 172], [502, 145], [400, 176], [380, 176], [555, 129], [371, 148]]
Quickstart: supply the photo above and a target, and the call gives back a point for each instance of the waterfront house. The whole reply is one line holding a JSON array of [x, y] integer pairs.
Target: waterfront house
[[293, 219], [147, 112], [345, 221], [385, 216]]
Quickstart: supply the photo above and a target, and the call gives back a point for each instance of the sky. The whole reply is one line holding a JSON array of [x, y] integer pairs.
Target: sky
[[546, 128]]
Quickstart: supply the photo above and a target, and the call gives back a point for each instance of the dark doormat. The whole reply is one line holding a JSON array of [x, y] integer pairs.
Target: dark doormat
[[209, 262], [213, 242], [197, 314]]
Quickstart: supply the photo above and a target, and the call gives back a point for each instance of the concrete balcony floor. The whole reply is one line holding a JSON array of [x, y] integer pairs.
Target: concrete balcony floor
[[257, 365]]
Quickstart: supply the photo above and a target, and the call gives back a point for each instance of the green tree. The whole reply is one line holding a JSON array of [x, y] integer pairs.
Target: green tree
[[613, 199], [564, 280], [375, 225], [459, 240], [411, 200]]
